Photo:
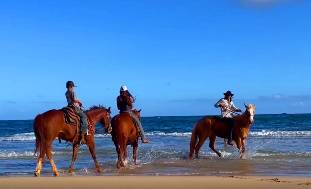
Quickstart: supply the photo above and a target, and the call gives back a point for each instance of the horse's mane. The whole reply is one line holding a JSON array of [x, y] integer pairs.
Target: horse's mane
[[97, 107]]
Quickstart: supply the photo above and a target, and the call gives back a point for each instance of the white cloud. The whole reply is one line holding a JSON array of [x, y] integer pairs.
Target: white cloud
[[299, 104]]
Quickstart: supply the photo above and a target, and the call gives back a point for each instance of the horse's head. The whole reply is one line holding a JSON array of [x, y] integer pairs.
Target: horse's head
[[137, 113], [106, 121], [103, 116], [250, 110]]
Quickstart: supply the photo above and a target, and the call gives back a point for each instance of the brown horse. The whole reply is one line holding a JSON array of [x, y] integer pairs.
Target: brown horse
[[212, 127], [51, 125], [124, 132]]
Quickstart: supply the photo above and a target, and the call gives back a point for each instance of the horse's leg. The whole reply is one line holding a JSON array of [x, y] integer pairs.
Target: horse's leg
[[75, 149], [120, 150], [225, 142], [243, 145], [91, 144], [50, 157], [242, 151], [125, 154], [124, 157], [40, 161], [238, 142], [199, 145], [135, 149], [212, 140], [119, 154]]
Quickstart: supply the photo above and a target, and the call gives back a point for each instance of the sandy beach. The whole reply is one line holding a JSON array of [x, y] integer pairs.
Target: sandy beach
[[135, 182]]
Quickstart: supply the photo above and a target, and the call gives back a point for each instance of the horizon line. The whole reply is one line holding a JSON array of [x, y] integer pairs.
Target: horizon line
[[178, 116]]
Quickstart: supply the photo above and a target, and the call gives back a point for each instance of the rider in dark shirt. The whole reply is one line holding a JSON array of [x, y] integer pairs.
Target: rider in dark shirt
[[125, 104]]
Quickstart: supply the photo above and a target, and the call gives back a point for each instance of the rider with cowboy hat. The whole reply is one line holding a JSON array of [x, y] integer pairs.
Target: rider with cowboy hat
[[125, 104], [228, 109]]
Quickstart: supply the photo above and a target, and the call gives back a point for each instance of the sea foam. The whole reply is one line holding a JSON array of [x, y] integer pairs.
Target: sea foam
[[264, 133]]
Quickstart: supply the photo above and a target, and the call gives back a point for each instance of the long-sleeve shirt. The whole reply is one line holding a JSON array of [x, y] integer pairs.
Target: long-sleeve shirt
[[125, 103], [72, 99], [227, 108]]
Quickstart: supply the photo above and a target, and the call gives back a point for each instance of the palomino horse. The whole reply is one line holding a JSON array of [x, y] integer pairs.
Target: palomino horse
[[212, 127], [124, 132], [51, 125]]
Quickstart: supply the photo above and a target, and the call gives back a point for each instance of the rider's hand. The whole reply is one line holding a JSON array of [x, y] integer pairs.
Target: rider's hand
[[222, 106]]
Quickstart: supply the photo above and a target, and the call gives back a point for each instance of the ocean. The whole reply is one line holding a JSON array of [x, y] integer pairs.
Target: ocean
[[278, 145]]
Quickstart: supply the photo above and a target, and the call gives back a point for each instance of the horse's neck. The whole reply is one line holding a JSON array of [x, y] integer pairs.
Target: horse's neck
[[245, 119], [95, 115]]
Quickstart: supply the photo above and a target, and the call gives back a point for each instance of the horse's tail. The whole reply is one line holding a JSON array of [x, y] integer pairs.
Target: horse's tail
[[36, 129], [193, 141]]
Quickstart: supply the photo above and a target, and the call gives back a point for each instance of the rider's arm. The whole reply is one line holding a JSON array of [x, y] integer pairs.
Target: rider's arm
[[219, 104], [119, 103], [130, 101], [131, 96], [75, 99], [235, 109]]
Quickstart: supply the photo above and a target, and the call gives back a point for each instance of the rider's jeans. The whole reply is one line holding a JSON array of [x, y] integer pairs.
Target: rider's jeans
[[142, 133], [83, 118]]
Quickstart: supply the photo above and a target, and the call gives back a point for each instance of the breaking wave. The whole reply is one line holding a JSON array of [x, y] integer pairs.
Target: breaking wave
[[264, 133]]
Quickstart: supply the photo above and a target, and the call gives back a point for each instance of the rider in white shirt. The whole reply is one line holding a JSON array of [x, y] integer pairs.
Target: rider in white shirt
[[228, 109]]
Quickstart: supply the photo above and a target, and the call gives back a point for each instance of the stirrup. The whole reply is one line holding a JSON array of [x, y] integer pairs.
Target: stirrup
[[229, 142]]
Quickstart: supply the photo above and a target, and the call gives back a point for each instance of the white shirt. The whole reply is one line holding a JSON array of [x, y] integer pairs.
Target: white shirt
[[227, 108]]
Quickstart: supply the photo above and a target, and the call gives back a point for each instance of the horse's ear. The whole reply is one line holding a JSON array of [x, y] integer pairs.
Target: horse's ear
[[109, 109]]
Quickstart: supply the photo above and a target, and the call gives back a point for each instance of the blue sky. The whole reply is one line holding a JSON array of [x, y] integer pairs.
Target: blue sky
[[177, 57]]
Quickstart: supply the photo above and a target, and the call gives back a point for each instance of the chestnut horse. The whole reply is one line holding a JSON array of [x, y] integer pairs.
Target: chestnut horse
[[124, 132], [212, 127], [51, 125]]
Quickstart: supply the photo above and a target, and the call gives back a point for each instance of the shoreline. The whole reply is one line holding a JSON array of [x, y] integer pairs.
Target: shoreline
[[135, 182]]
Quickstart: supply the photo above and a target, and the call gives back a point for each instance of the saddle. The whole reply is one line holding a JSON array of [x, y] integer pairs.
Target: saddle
[[72, 118], [134, 122]]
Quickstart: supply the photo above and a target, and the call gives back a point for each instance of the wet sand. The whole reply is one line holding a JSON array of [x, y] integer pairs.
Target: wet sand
[[155, 182]]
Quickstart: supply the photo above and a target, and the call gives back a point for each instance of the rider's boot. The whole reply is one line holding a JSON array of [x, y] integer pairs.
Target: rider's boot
[[230, 137], [145, 141], [83, 141]]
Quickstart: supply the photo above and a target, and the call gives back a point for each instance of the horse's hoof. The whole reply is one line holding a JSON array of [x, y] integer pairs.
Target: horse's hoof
[[99, 169], [125, 162], [120, 165], [37, 174], [71, 171], [190, 157], [56, 174]]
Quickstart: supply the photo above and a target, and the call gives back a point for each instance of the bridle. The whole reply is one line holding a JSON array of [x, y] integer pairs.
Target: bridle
[[250, 115]]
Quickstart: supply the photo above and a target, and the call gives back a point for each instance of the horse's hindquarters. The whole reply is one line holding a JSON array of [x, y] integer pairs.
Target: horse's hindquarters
[[124, 133]]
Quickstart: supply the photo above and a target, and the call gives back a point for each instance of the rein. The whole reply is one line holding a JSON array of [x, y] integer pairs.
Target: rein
[[248, 115]]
